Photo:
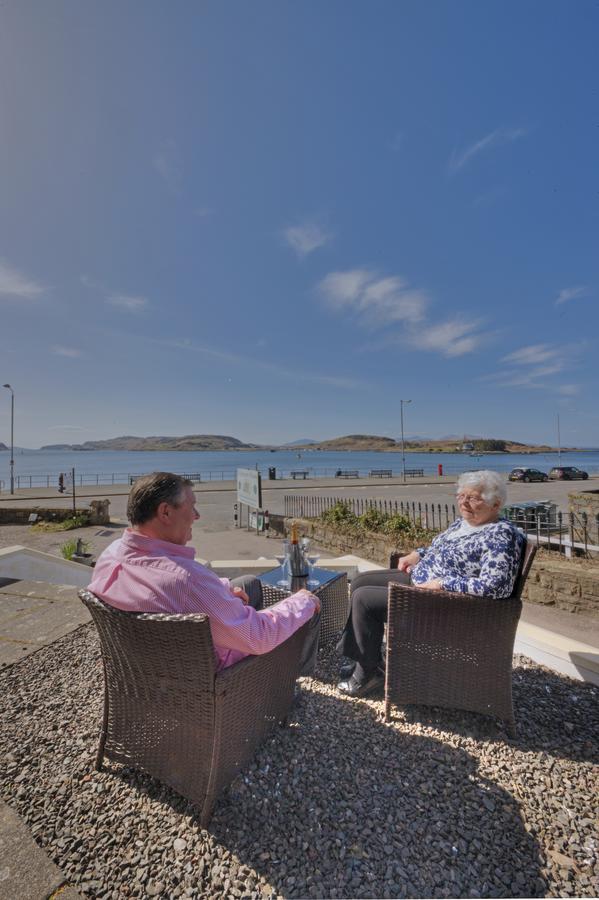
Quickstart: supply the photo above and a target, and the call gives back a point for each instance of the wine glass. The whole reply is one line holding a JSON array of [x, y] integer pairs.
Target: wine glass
[[281, 558], [313, 557]]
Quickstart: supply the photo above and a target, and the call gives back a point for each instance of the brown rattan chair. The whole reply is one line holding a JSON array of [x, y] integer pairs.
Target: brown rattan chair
[[453, 650], [169, 713]]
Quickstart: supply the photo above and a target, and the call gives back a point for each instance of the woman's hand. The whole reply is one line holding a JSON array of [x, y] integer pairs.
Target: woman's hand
[[435, 584], [407, 563]]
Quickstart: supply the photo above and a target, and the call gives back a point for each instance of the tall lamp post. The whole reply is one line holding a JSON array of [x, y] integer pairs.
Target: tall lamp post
[[12, 437], [403, 453], [559, 444]]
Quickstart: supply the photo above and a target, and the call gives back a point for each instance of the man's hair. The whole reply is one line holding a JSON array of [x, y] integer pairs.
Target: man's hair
[[150, 491]]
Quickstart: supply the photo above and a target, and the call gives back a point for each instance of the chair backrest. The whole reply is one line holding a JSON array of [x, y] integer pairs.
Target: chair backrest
[[528, 554], [154, 650]]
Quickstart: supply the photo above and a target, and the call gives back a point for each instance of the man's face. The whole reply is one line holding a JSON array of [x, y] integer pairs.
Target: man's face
[[179, 519]]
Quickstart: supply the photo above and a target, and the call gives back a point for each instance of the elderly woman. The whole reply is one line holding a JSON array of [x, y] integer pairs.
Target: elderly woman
[[478, 554]]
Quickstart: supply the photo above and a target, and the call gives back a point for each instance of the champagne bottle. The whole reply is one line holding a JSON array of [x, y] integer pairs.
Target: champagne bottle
[[297, 564]]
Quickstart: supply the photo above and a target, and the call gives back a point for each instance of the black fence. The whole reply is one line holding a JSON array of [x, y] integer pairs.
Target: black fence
[[434, 516], [546, 526]]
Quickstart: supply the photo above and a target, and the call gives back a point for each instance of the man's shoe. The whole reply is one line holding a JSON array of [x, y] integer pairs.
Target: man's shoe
[[347, 671], [354, 688]]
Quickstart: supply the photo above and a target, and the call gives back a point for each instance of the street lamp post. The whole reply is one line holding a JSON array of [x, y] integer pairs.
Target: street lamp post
[[403, 454], [12, 437]]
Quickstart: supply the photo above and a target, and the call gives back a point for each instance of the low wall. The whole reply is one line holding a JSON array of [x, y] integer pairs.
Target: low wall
[[97, 512], [568, 584]]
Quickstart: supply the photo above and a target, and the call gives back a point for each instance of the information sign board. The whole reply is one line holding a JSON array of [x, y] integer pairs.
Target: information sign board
[[249, 488]]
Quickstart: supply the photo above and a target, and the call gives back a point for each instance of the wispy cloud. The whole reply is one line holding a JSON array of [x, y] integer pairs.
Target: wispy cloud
[[167, 162], [15, 284], [376, 300], [532, 365], [70, 352], [496, 138], [533, 354], [572, 293], [384, 301], [568, 390], [132, 303], [249, 362], [127, 302], [306, 238], [455, 337]]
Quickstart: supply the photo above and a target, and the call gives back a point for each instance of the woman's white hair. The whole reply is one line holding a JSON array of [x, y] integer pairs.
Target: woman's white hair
[[491, 485]]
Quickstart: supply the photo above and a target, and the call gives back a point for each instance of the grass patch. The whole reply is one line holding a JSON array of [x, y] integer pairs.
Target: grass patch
[[65, 525], [69, 548]]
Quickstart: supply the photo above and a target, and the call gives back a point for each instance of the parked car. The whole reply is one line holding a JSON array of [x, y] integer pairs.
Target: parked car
[[522, 474], [568, 473]]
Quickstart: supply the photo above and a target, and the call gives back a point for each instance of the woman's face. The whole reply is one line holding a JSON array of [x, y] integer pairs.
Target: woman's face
[[474, 509]]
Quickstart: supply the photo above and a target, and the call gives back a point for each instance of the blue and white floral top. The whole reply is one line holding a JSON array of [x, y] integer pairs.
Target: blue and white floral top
[[484, 561]]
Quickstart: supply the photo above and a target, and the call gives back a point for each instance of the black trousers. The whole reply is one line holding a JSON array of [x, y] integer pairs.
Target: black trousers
[[253, 588], [362, 636]]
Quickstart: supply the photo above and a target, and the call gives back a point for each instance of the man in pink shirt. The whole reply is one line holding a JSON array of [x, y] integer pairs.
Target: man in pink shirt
[[150, 569]]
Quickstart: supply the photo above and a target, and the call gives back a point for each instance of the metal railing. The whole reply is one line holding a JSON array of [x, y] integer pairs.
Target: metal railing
[[432, 516], [559, 531]]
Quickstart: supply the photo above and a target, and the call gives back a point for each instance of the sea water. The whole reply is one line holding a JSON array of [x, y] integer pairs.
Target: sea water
[[37, 468]]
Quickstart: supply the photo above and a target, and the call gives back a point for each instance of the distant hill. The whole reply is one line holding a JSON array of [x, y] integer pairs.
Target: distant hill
[[3, 446], [301, 442], [364, 442], [357, 442], [187, 442]]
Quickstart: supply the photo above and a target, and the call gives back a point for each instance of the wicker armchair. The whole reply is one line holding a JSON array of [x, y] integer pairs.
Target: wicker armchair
[[453, 650], [169, 713]]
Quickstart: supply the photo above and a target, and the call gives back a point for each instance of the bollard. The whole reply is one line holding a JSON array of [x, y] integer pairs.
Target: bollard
[[235, 516], [266, 523]]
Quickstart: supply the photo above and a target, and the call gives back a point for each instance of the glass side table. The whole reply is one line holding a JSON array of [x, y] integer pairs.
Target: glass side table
[[331, 590]]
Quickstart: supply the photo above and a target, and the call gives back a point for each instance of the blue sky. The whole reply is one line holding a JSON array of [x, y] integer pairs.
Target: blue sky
[[274, 220]]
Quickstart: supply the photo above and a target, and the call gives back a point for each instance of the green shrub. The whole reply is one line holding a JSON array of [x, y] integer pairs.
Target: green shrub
[[400, 528], [69, 548], [80, 521]]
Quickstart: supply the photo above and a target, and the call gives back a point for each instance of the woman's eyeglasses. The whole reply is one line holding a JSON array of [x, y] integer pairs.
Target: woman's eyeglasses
[[470, 498]]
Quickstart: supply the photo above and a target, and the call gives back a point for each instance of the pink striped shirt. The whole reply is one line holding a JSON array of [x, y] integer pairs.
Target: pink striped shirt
[[141, 574]]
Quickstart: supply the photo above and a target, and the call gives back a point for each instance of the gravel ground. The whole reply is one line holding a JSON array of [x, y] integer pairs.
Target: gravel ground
[[437, 804]]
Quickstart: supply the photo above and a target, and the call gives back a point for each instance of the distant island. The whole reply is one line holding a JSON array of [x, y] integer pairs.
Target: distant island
[[3, 446], [363, 442], [187, 442]]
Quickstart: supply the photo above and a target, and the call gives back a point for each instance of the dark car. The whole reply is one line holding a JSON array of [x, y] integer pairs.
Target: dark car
[[521, 474], [568, 473]]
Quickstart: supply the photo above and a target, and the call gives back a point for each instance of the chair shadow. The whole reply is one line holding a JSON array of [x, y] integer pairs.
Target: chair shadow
[[538, 693]]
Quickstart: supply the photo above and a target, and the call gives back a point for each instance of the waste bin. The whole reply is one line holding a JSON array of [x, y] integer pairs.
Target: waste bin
[[272, 473]]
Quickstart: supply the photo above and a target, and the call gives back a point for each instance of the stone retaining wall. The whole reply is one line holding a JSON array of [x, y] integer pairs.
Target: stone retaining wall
[[584, 503], [568, 584], [97, 512]]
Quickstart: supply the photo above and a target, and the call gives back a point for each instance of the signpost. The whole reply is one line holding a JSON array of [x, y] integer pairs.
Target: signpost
[[249, 492]]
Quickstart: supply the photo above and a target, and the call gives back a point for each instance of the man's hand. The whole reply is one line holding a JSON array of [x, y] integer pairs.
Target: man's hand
[[315, 600], [239, 592], [407, 563], [435, 584]]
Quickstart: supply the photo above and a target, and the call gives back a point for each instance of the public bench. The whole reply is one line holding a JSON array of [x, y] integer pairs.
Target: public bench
[[381, 473], [195, 477], [346, 473], [415, 472], [301, 473]]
